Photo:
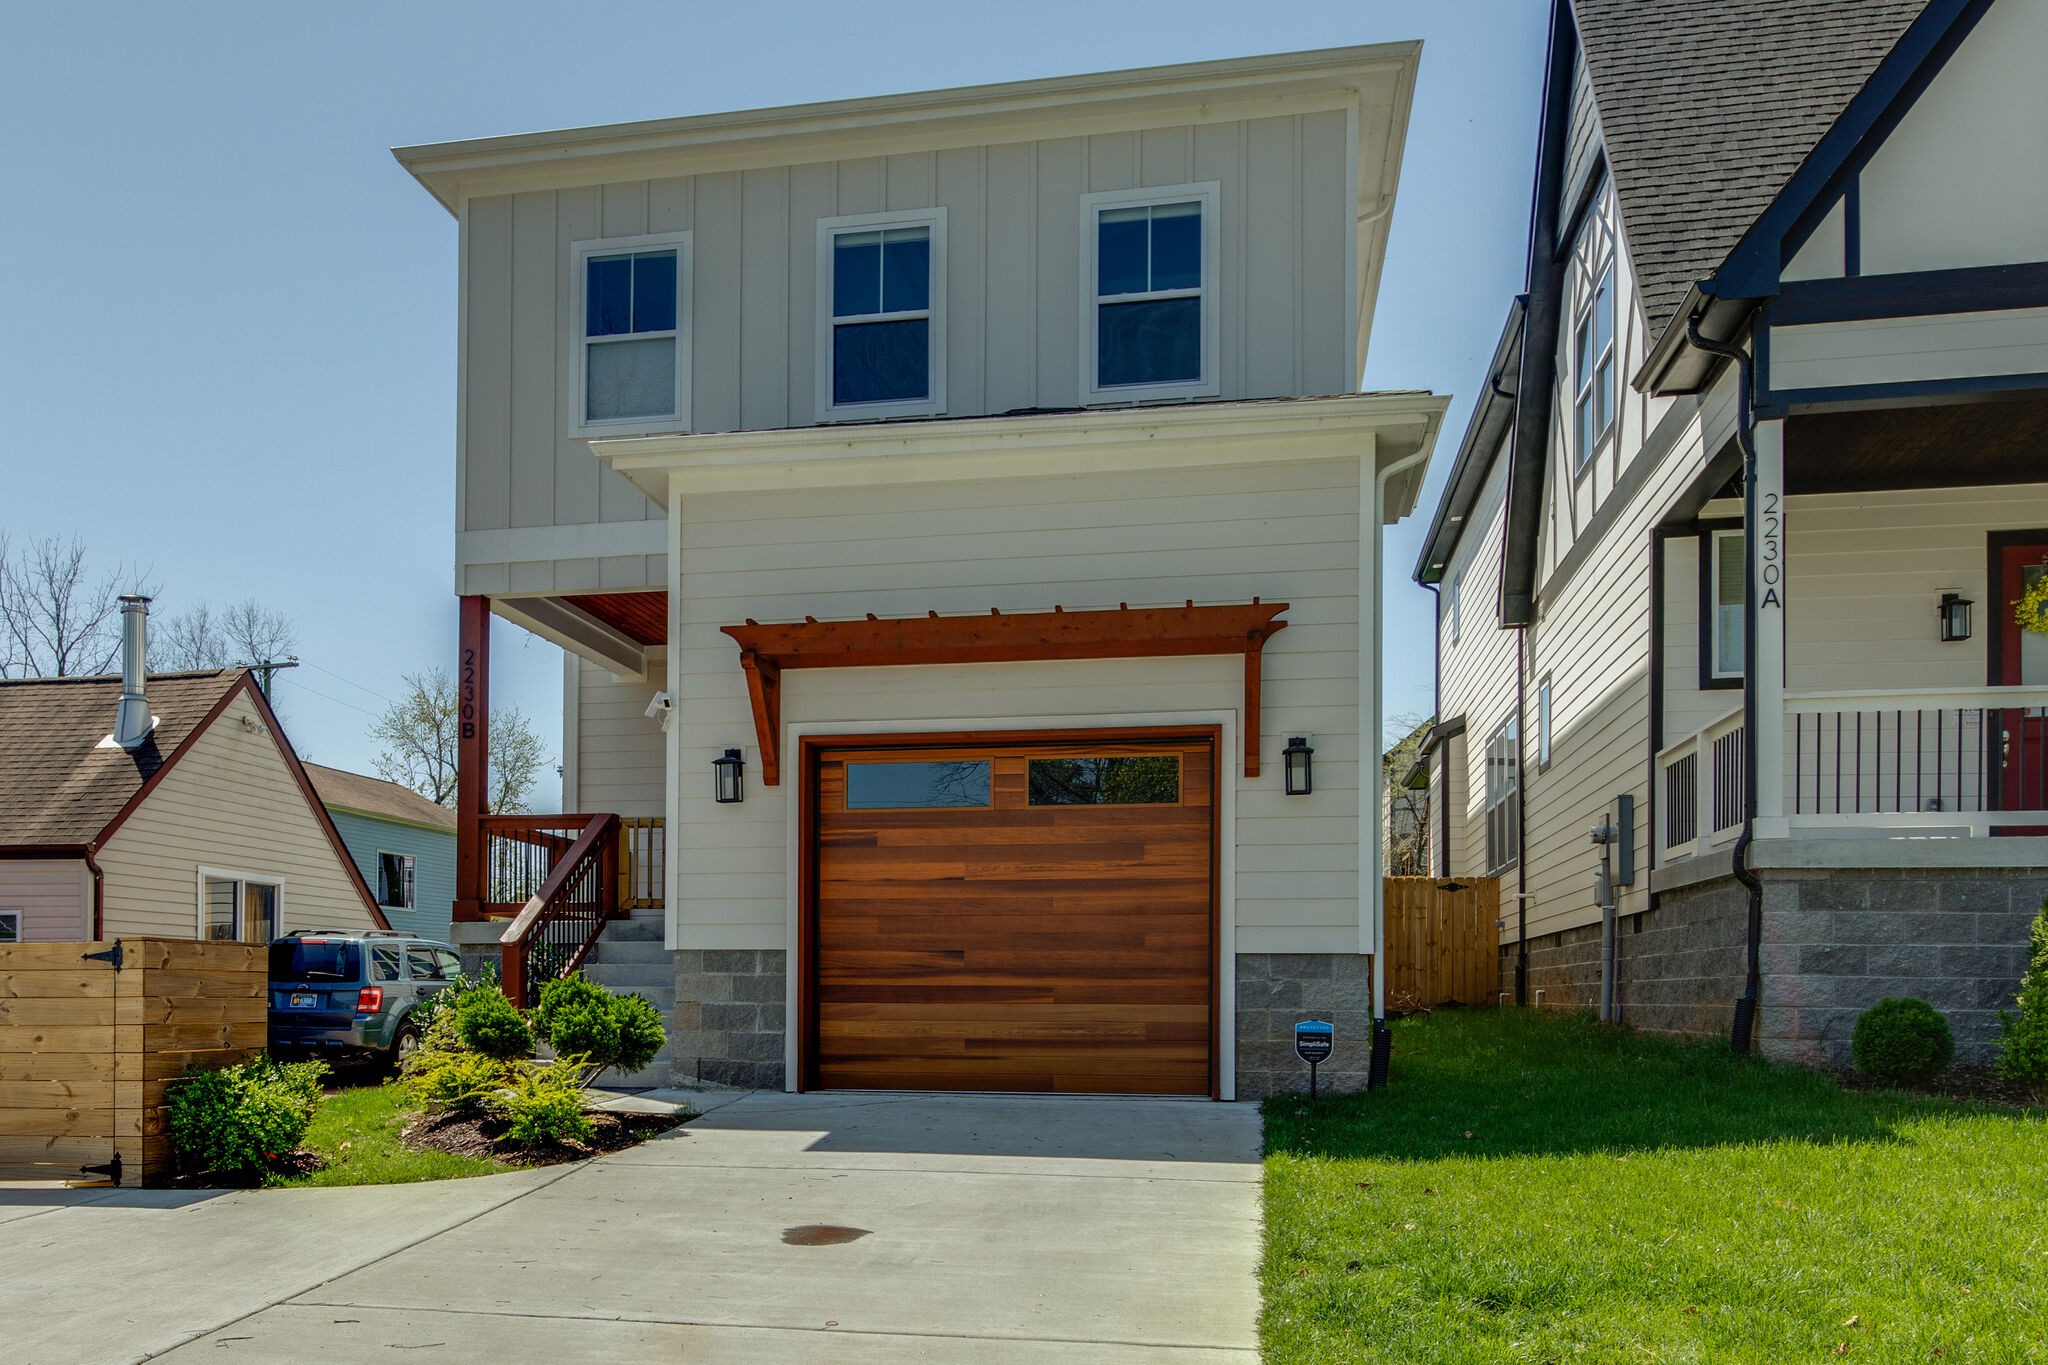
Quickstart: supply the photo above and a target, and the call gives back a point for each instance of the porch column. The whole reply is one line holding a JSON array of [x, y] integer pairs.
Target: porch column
[[472, 753], [1767, 651]]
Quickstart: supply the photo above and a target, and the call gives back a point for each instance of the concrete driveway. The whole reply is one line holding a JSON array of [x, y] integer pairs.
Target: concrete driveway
[[830, 1228]]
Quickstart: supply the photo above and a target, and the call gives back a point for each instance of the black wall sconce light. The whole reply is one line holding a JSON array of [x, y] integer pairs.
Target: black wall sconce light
[[729, 780], [1299, 760], [1955, 617]]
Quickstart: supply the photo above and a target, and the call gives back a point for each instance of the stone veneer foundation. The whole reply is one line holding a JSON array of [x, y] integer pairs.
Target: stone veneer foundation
[[1835, 942], [730, 1018], [1275, 991]]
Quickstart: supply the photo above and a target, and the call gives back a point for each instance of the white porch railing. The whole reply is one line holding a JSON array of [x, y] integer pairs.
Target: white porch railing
[[1700, 799], [1953, 762]]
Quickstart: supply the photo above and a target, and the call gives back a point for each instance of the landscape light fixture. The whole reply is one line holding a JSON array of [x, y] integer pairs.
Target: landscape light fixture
[[729, 778], [1299, 759], [1955, 617]]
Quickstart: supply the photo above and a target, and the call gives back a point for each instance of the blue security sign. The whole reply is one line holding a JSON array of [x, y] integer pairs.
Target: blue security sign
[[1313, 1040]]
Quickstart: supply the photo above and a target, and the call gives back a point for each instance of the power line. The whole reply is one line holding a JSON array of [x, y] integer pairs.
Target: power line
[[338, 701], [350, 681]]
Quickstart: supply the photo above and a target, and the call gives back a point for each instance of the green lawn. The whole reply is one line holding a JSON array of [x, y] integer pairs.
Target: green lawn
[[1539, 1188], [357, 1132]]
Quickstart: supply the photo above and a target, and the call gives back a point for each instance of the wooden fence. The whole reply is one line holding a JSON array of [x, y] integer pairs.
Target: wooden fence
[[1443, 942], [88, 1040]]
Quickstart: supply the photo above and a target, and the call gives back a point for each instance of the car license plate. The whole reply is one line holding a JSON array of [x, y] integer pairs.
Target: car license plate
[[305, 1001]]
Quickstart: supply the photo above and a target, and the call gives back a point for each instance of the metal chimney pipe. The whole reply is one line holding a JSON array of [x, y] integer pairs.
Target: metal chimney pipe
[[132, 722]]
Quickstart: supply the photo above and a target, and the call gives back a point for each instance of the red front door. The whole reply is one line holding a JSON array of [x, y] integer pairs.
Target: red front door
[[2021, 742]]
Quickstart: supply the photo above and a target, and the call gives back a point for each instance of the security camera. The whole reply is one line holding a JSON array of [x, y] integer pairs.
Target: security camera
[[661, 708]]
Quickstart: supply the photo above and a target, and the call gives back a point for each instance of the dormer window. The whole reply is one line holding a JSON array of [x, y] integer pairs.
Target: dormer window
[[633, 370], [1593, 366], [882, 336], [1149, 269]]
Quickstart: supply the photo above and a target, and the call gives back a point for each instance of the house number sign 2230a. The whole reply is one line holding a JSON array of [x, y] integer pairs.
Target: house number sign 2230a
[[1770, 549]]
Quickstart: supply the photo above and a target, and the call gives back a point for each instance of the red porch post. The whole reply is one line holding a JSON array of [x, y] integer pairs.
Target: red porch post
[[472, 754]]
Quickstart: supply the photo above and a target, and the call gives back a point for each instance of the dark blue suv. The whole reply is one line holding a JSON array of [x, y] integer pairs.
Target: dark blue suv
[[350, 997]]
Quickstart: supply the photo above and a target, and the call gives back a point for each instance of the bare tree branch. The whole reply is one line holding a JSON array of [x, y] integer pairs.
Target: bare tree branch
[[58, 619], [419, 738], [243, 633]]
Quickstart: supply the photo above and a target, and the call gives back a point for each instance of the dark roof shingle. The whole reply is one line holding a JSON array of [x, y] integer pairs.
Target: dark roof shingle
[[57, 786], [1707, 107], [375, 796]]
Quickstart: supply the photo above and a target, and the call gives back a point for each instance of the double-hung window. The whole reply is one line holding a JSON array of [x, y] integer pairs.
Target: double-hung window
[[1593, 366], [1722, 594], [881, 326], [237, 909], [633, 354], [395, 881], [1148, 279], [1503, 796], [10, 926]]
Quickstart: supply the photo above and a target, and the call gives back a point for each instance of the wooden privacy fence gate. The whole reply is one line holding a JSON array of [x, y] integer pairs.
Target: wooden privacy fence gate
[[1443, 941], [91, 1032]]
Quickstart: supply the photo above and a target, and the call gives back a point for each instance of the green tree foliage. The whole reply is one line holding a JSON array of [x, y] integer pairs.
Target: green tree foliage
[[2023, 1048]]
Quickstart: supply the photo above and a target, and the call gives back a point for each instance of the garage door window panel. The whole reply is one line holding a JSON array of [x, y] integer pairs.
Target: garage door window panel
[[935, 785]]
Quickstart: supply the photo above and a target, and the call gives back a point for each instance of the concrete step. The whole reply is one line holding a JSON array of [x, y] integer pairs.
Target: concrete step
[[631, 976], [632, 950], [633, 930]]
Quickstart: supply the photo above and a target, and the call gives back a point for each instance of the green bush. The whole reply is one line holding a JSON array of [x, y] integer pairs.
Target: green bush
[[581, 1019], [238, 1120], [1902, 1039], [443, 1002], [2023, 1048], [543, 1105], [486, 1022], [455, 1081]]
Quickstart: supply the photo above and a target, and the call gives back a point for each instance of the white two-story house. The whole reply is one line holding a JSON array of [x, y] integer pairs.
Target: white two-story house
[[1733, 558], [962, 521]]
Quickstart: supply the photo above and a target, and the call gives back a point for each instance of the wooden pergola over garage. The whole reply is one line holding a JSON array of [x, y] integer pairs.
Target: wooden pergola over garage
[[1143, 633]]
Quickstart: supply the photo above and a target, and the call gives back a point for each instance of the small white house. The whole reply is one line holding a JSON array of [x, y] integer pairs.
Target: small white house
[[167, 805], [953, 505]]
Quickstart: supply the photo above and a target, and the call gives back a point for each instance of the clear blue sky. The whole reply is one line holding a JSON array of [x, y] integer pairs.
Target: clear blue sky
[[228, 350]]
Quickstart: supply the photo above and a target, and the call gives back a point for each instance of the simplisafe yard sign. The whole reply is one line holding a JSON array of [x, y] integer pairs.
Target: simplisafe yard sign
[[1313, 1040]]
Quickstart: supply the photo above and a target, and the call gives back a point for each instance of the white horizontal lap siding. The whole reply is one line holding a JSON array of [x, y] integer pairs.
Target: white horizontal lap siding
[[1478, 669], [1012, 291], [1898, 350], [619, 762], [229, 804], [52, 896], [1216, 535]]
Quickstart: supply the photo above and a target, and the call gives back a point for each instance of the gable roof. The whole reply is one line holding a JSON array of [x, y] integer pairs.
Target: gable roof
[[375, 797], [56, 785], [1708, 107]]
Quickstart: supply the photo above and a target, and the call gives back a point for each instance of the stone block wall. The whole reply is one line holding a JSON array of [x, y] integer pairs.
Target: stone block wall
[[1276, 991], [1835, 942], [730, 1017]]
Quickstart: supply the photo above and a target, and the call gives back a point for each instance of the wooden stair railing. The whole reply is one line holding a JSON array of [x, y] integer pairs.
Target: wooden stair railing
[[560, 923]]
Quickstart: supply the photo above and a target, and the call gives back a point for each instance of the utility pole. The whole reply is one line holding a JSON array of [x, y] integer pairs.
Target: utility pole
[[265, 667]]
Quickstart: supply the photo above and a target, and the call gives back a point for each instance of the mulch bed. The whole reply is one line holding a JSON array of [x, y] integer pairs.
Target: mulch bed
[[1973, 1083], [484, 1137]]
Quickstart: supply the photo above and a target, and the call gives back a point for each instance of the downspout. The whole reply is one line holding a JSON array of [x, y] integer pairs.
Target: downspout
[[1742, 1035], [1521, 819], [99, 895], [1376, 1072], [1436, 718]]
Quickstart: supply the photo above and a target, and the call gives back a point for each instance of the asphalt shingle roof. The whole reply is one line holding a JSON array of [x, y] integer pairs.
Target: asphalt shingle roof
[[375, 796], [1709, 106], [56, 785]]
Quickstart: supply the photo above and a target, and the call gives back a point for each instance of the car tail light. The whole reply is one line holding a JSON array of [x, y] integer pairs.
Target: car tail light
[[370, 1000]]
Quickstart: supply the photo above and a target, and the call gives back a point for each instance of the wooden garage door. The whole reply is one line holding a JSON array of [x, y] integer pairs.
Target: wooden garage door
[[1020, 918]]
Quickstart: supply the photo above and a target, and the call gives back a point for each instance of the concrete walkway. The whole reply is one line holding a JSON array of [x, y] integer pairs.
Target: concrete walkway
[[828, 1228]]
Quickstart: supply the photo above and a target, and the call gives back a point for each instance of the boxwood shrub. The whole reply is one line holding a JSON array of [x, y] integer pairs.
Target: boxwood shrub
[[1902, 1039]]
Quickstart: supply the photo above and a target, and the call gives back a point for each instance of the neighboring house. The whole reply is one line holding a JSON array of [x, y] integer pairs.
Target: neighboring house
[[402, 843], [1803, 698], [947, 461], [168, 806]]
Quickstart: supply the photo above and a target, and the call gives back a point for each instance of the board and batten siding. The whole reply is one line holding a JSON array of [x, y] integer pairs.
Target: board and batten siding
[[52, 895], [433, 855], [1478, 670], [229, 804], [1284, 533], [1012, 300]]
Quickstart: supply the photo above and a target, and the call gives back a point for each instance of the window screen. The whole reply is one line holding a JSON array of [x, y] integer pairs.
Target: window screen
[[629, 326]]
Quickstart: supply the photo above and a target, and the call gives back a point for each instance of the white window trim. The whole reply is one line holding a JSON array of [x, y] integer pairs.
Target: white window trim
[[410, 867], [1714, 605], [1600, 269], [579, 287], [1209, 192], [217, 874], [1546, 707], [1506, 740], [934, 403], [1457, 605], [13, 917]]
